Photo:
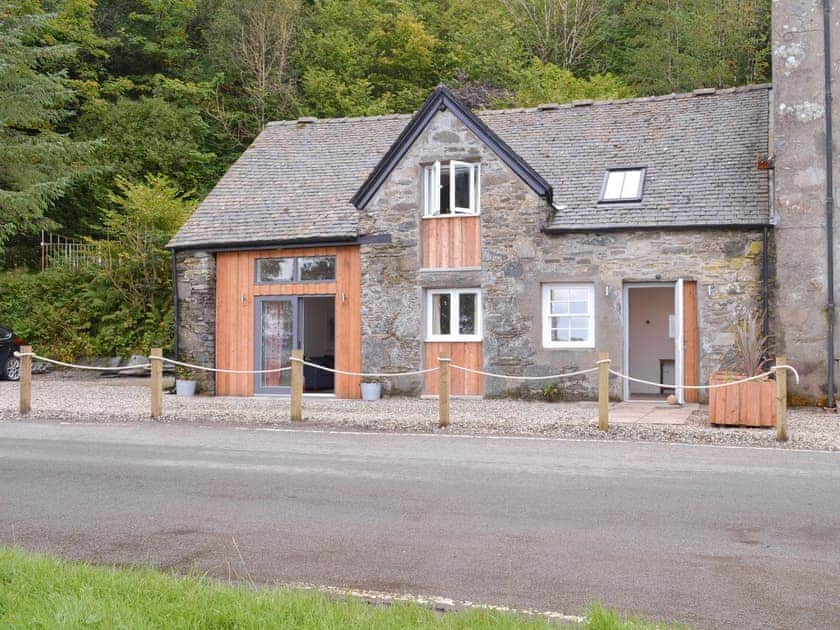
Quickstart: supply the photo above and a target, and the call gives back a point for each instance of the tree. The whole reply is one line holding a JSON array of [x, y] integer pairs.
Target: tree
[[37, 163], [547, 83], [146, 37], [152, 135], [679, 45], [563, 32], [253, 41], [365, 57], [135, 286]]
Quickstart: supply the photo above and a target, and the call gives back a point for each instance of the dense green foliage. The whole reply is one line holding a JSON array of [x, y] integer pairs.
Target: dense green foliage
[[118, 307], [95, 95], [45, 592]]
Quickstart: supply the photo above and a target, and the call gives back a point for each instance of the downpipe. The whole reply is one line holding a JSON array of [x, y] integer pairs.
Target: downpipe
[[829, 198]]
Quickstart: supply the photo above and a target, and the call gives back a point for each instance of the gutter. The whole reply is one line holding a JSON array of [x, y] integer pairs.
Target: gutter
[[765, 286], [234, 246], [641, 228], [829, 198], [175, 348]]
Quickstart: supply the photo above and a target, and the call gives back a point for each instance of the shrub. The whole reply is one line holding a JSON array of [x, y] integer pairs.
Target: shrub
[[120, 308]]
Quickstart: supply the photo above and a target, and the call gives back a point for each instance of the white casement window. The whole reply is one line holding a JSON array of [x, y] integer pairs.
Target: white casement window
[[568, 313], [623, 184], [451, 188], [453, 315]]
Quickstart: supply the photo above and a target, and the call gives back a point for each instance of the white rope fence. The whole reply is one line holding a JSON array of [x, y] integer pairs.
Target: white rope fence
[[221, 370], [365, 374], [83, 367], [525, 378], [510, 377], [757, 377], [297, 362]]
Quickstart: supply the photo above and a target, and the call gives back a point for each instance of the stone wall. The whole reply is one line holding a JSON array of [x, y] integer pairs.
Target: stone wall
[[196, 274], [799, 155], [517, 258]]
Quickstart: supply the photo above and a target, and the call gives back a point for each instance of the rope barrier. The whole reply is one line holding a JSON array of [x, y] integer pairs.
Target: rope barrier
[[716, 386], [223, 370], [414, 372], [83, 367], [367, 374], [525, 378]]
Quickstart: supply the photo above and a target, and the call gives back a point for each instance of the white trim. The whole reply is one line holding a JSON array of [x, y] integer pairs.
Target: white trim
[[625, 310], [431, 189], [546, 315], [679, 341], [454, 315], [621, 197]]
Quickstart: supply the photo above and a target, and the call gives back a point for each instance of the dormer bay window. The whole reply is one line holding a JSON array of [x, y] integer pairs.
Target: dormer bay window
[[451, 188]]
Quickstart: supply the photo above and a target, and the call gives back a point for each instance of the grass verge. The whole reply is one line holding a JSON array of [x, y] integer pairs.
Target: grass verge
[[39, 591]]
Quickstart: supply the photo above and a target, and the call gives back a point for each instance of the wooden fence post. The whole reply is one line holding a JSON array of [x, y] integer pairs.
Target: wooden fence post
[[444, 388], [604, 391], [781, 401], [156, 359], [25, 379], [297, 385]]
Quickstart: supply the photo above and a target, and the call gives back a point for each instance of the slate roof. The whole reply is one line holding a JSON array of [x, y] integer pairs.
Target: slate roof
[[701, 150], [293, 184]]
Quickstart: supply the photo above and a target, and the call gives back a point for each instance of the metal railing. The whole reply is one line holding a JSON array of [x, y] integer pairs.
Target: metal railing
[[60, 250]]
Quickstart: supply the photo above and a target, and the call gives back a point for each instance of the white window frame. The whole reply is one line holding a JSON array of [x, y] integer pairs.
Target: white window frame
[[454, 315], [431, 189], [620, 199], [546, 316]]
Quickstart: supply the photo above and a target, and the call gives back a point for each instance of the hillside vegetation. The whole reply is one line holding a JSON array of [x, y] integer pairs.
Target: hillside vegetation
[[104, 99]]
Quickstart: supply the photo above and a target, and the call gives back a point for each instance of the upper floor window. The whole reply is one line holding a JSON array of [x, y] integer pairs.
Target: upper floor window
[[453, 315], [623, 184], [451, 188], [299, 269]]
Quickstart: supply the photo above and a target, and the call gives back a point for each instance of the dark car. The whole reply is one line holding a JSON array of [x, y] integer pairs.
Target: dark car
[[9, 363]]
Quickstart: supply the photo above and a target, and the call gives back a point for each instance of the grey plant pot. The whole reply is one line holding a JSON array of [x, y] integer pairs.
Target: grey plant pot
[[184, 388], [371, 391]]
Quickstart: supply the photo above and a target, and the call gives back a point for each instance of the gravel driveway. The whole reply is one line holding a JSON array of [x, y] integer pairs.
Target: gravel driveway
[[68, 398]]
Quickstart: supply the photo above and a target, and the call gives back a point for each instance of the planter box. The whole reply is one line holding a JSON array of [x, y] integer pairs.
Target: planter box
[[751, 404]]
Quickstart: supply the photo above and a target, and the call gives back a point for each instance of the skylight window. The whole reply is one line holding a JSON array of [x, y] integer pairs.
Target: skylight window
[[623, 184]]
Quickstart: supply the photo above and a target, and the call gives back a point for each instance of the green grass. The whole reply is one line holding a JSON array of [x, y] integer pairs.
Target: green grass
[[38, 591]]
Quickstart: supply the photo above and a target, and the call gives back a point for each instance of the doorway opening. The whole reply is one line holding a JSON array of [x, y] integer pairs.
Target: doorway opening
[[652, 339], [317, 337], [287, 323]]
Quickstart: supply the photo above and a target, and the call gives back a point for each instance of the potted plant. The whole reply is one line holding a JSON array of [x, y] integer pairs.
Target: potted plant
[[184, 383], [371, 388], [750, 404]]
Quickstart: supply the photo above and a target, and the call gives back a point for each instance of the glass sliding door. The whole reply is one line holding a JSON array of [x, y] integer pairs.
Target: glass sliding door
[[276, 337]]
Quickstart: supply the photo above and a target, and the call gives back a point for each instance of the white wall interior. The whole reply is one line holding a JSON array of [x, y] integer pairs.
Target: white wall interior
[[648, 334]]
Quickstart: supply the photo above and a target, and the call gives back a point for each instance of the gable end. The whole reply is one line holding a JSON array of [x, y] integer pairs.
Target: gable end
[[440, 100]]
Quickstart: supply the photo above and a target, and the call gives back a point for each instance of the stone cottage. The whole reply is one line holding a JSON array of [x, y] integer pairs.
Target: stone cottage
[[521, 241]]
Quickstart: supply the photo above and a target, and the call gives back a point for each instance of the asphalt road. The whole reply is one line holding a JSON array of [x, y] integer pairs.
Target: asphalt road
[[714, 537]]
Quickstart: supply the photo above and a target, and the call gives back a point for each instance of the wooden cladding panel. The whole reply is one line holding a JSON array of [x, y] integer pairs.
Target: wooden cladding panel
[[236, 291], [466, 353], [691, 340], [348, 322], [450, 242]]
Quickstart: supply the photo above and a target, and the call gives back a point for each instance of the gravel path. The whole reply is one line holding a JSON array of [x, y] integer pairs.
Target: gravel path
[[57, 397]]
